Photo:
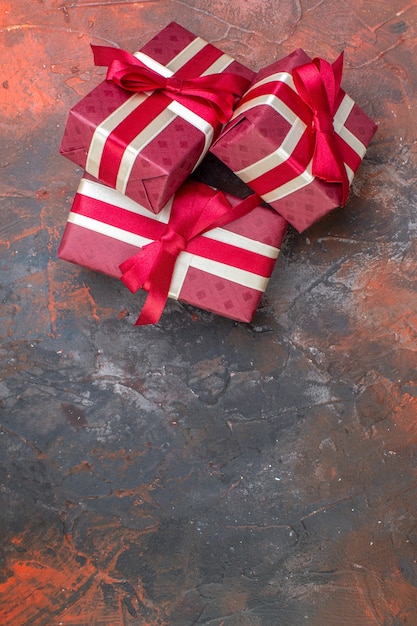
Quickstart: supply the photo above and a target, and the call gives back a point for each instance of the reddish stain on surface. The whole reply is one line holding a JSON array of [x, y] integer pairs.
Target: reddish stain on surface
[[65, 297], [366, 592], [41, 579], [387, 304], [74, 415], [72, 588]]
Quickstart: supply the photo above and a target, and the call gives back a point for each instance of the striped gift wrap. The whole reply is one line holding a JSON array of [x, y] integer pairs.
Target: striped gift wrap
[[225, 270]]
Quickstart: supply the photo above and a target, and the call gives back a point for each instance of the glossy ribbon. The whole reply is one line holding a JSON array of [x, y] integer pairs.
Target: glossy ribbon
[[318, 85], [191, 215], [218, 91]]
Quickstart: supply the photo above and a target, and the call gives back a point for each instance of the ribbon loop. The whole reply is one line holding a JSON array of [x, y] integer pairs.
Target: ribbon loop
[[318, 84], [217, 92], [195, 210]]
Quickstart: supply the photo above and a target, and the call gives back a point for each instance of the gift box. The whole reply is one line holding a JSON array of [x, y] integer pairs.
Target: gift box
[[296, 138], [145, 128], [206, 248]]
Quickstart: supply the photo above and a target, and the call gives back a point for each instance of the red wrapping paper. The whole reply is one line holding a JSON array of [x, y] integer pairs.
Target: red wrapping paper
[[225, 270], [269, 142], [146, 144]]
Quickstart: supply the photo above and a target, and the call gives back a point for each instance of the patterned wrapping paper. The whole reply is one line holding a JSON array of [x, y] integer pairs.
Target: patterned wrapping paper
[[269, 143], [226, 270], [146, 144]]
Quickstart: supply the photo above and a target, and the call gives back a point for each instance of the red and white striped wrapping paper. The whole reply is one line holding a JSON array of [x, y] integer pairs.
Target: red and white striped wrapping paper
[[135, 144], [265, 144], [226, 270]]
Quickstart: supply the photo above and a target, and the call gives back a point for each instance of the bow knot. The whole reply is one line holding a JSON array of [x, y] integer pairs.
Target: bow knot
[[215, 93], [196, 208], [172, 242], [323, 122], [318, 84], [174, 84]]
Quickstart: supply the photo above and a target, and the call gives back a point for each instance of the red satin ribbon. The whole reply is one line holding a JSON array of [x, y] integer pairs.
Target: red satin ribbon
[[191, 215], [318, 84], [219, 91]]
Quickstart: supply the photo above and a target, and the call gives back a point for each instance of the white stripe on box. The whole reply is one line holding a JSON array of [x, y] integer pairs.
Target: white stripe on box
[[108, 125], [285, 150], [152, 130], [221, 270], [272, 101], [139, 143], [165, 70], [109, 231], [218, 66], [305, 178], [342, 113], [176, 63], [240, 241], [184, 261], [279, 77], [154, 65], [182, 58], [341, 116], [277, 157], [187, 54], [198, 122], [97, 191]]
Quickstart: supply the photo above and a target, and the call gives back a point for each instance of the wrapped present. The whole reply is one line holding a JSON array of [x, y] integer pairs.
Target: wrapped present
[[206, 248], [145, 128], [296, 138]]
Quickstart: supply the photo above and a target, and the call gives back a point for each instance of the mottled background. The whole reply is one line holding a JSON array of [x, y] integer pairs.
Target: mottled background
[[201, 471]]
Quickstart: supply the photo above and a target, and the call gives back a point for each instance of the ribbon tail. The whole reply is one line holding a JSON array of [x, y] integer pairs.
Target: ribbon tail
[[192, 214], [218, 212], [328, 165], [137, 268], [325, 159], [131, 274], [160, 280], [242, 208], [105, 55]]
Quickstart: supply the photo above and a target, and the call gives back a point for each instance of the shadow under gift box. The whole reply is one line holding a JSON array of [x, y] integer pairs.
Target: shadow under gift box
[[225, 270], [270, 140], [146, 144]]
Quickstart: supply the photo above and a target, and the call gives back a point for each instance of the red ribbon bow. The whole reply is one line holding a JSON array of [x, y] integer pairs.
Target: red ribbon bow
[[318, 84], [192, 214], [218, 91]]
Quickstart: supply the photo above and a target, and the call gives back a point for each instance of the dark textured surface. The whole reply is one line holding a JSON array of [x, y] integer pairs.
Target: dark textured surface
[[203, 472]]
